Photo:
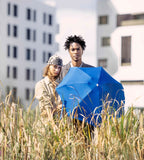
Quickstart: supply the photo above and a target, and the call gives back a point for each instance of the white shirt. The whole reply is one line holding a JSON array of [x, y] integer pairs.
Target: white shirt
[[74, 66]]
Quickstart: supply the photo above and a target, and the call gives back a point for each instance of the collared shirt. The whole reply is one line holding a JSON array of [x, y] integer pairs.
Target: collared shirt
[[74, 66]]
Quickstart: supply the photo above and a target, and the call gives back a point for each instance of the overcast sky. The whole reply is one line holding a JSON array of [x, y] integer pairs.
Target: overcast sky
[[76, 4], [77, 17], [128, 6]]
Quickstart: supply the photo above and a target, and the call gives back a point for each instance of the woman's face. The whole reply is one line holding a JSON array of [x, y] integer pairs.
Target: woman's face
[[54, 70]]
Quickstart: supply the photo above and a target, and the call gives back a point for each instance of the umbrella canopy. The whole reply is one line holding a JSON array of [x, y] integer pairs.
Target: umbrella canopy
[[86, 91]]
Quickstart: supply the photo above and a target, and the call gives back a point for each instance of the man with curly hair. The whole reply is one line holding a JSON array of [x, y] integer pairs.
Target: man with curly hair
[[75, 46]]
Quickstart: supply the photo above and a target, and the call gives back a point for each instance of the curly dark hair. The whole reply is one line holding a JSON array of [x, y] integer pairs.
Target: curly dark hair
[[76, 39]]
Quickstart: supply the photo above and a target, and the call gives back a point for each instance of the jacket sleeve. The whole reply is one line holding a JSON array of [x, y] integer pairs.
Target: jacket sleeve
[[38, 91], [43, 96]]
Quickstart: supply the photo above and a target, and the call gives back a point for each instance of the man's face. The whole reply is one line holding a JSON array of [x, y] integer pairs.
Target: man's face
[[75, 51]]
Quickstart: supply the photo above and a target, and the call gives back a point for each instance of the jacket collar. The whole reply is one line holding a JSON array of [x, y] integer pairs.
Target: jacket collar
[[47, 80]]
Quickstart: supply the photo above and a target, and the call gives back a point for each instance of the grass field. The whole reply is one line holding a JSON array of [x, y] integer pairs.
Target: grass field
[[23, 136]]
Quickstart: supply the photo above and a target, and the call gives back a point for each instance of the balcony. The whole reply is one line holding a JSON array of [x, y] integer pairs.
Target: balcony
[[130, 19], [132, 22]]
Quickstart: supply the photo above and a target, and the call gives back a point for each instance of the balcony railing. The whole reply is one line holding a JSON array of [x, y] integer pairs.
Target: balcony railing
[[132, 22]]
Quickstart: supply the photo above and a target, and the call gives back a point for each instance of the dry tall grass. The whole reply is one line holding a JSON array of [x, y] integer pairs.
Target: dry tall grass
[[23, 136]]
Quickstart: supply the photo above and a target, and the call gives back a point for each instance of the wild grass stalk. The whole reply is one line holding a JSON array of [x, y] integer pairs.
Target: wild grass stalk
[[23, 135]]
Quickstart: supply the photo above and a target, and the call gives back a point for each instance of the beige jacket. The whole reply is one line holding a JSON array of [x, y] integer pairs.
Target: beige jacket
[[44, 92]]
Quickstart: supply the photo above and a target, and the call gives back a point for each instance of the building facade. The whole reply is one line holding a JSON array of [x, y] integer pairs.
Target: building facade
[[124, 52], [106, 24], [127, 43], [27, 40]]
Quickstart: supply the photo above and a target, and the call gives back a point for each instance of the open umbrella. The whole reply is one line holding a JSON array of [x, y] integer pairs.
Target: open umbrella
[[86, 91]]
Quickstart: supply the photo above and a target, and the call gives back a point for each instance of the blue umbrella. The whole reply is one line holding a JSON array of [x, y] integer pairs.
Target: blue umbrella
[[85, 92]]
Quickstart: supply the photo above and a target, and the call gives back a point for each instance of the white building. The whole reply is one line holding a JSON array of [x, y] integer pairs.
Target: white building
[[123, 54], [127, 43], [106, 24], [27, 40]]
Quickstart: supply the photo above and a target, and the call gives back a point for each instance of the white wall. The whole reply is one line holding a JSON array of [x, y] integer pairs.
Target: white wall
[[134, 93], [105, 7], [135, 70]]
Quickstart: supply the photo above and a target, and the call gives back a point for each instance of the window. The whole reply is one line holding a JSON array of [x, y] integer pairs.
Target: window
[[15, 52], [8, 71], [27, 74], [44, 18], [28, 54], [15, 32], [7, 90], [8, 50], [15, 10], [27, 95], [34, 74], [44, 37], [34, 15], [8, 8], [49, 55], [8, 30], [34, 55], [50, 19], [28, 34], [34, 35], [102, 63], [126, 50], [105, 41], [14, 72], [14, 93], [103, 20], [47, 19], [44, 57], [49, 38], [28, 12], [31, 14]]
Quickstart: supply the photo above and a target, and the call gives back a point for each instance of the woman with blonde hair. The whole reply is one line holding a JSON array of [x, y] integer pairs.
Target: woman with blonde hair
[[49, 101]]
